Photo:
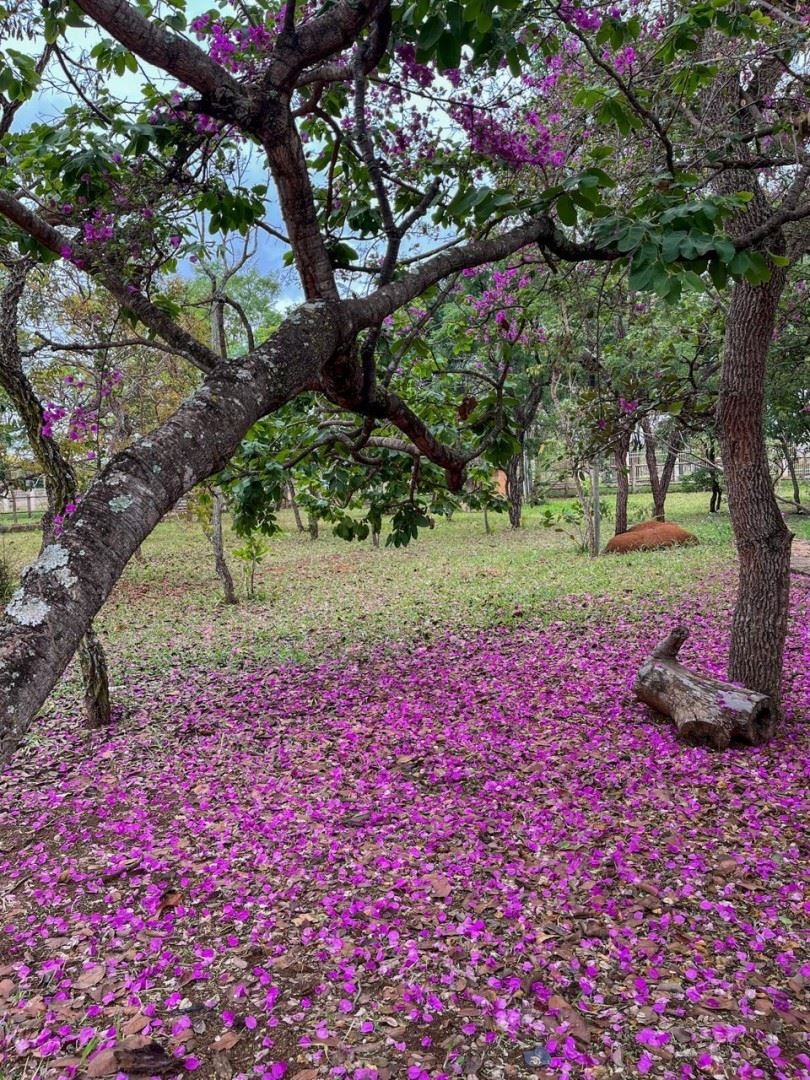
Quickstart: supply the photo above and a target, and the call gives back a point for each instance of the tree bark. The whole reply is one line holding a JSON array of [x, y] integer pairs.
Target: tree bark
[[763, 540], [705, 710], [621, 449]]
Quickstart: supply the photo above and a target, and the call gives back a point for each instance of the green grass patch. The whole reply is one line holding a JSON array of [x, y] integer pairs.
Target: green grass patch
[[316, 597]]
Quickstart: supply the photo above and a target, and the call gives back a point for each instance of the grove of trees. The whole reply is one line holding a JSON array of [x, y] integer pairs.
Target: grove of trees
[[474, 164]]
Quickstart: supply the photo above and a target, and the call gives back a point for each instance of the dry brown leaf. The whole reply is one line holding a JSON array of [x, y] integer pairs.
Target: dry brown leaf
[[305, 1074], [170, 899], [103, 1064], [135, 1042], [440, 886], [136, 1024], [91, 977], [227, 1041], [6, 987]]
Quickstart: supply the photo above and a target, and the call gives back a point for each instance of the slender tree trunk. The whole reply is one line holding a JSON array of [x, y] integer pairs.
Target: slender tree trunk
[[299, 524], [621, 449], [514, 489], [95, 676], [670, 461], [312, 526], [650, 453], [516, 467], [790, 465], [659, 483], [586, 501], [219, 346], [762, 538], [218, 544], [717, 491]]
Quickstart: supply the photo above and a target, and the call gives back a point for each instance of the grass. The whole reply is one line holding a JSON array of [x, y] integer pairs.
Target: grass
[[314, 597], [502, 785]]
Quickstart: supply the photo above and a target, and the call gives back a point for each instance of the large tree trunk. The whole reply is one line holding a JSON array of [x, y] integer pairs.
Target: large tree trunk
[[762, 538], [60, 479], [73, 576], [621, 448]]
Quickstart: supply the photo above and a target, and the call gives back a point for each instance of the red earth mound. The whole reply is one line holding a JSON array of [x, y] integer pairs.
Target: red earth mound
[[648, 535]]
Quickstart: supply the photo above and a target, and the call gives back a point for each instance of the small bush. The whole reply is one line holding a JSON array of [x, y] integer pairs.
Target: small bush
[[699, 480]]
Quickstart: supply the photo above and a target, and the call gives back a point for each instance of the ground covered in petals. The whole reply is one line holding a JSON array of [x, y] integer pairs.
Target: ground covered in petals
[[477, 856]]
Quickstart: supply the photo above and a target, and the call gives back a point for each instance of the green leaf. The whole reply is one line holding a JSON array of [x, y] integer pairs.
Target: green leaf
[[566, 210]]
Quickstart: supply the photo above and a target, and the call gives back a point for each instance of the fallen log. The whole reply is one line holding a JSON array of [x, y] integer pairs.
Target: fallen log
[[705, 710]]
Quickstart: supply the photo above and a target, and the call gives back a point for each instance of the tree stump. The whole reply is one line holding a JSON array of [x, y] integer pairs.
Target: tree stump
[[705, 710]]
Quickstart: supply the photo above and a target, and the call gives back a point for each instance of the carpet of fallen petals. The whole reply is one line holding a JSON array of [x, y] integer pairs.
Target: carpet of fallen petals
[[477, 856]]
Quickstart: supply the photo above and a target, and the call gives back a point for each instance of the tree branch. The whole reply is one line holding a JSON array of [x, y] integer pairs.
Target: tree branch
[[126, 294], [177, 56], [372, 309]]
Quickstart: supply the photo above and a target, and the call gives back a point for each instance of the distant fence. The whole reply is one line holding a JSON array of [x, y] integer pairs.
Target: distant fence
[[24, 502], [639, 476]]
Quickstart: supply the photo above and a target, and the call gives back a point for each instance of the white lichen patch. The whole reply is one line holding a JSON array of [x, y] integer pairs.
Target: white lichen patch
[[187, 435], [156, 470], [120, 503], [27, 612], [65, 577], [52, 558]]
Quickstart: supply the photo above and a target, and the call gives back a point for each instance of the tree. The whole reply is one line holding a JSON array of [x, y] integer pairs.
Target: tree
[[60, 478], [328, 97]]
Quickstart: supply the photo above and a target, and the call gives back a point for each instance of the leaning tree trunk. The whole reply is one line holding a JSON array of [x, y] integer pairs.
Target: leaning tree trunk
[[621, 449], [60, 479], [763, 540], [75, 574], [299, 524]]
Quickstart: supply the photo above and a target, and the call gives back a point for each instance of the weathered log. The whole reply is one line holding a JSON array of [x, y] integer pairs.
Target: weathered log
[[705, 710]]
